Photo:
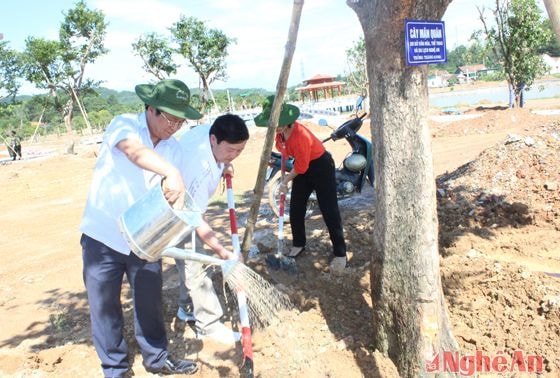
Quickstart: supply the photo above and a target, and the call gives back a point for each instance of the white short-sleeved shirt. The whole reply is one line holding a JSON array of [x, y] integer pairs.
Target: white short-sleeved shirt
[[118, 183], [201, 172]]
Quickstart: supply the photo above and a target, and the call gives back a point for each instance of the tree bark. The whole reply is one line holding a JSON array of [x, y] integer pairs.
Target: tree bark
[[281, 87], [68, 108], [410, 322], [553, 10]]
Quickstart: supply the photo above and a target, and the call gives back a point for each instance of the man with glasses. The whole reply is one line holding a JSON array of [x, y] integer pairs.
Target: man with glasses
[[137, 153], [176, 124]]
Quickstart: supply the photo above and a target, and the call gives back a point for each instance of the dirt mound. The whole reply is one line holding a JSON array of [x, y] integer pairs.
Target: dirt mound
[[496, 305], [514, 183], [499, 307]]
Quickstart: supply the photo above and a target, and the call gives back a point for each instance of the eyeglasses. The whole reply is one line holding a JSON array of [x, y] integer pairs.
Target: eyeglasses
[[176, 124]]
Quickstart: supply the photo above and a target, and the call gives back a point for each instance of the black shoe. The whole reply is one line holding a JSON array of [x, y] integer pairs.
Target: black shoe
[[171, 366]]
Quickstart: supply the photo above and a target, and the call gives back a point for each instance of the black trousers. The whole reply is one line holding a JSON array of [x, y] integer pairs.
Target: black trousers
[[103, 271], [320, 177]]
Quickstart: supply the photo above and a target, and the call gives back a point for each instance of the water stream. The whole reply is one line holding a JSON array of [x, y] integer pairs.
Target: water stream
[[498, 94]]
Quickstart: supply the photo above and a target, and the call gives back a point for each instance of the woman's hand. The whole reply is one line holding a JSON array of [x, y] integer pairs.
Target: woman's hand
[[282, 188]]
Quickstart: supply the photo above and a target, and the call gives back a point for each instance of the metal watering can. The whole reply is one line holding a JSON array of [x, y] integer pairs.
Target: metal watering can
[[152, 228], [151, 224]]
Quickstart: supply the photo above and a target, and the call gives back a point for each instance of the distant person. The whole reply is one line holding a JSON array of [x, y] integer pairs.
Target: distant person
[[137, 152], [14, 146], [314, 170], [208, 151]]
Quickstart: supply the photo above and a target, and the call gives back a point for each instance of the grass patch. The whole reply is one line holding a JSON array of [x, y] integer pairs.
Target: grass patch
[[60, 320]]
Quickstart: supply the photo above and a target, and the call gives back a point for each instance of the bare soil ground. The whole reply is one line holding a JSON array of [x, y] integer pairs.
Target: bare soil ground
[[499, 219]]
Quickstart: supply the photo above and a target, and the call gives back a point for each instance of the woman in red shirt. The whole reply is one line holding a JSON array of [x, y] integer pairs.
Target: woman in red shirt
[[313, 170]]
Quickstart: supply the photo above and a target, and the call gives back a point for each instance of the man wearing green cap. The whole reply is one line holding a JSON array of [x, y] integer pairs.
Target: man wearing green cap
[[313, 170], [137, 152]]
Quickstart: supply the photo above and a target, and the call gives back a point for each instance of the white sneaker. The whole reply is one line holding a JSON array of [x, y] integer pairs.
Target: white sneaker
[[185, 316], [221, 334], [338, 264]]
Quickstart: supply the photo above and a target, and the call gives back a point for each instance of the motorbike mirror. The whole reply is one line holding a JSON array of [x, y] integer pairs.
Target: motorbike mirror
[[359, 102], [323, 122]]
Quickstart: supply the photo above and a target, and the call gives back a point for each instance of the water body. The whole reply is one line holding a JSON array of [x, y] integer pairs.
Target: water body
[[498, 94]]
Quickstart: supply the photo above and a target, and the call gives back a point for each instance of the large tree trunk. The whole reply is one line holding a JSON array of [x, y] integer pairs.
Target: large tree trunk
[[553, 10], [410, 322]]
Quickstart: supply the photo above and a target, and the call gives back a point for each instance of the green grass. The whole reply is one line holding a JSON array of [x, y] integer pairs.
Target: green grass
[[60, 320]]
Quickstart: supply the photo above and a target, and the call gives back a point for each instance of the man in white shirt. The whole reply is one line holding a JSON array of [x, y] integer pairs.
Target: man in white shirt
[[208, 152], [137, 152]]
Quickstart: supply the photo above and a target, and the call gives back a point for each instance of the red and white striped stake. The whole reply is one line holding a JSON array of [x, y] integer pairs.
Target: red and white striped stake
[[246, 338], [280, 250]]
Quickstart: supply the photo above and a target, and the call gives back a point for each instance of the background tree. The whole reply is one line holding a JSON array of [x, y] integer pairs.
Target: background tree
[[552, 46], [59, 66], [10, 71], [9, 119], [410, 318], [455, 58], [357, 72], [477, 52], [156, 54], [82, 35], [205, 50], [43, 64], [518, 33]]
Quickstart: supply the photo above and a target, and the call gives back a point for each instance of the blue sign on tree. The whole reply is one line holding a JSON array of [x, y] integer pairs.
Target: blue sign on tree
[[425, 42]]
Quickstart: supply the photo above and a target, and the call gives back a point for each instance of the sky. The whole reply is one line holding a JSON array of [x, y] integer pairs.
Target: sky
[[327, 29]]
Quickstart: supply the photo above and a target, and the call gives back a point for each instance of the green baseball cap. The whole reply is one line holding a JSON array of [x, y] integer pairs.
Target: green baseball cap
[[288, 114], [169, 95]]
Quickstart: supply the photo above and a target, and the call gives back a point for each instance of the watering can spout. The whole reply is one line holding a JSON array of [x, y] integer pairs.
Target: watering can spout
[[187, 254]]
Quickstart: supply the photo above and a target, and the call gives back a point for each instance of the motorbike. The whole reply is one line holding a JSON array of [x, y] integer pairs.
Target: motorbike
[[353, 173]]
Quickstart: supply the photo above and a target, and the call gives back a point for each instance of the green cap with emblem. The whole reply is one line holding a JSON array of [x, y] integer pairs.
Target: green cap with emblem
[[288, 114], [169, 95]]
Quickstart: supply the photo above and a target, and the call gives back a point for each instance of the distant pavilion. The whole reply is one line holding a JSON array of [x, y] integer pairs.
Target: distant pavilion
[[320, 84]]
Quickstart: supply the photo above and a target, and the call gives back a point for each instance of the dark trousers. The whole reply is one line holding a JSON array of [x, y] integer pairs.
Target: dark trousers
[[103, 273], [320, 177], [17, 149]]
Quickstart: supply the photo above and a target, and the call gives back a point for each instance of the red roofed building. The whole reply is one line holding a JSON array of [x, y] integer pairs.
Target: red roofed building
[[320, 84]]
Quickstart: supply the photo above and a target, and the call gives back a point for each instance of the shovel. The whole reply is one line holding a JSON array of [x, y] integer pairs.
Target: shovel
[[278, 260]]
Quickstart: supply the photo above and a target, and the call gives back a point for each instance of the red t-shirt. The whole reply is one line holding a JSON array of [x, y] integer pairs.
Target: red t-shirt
[[302, 145]]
